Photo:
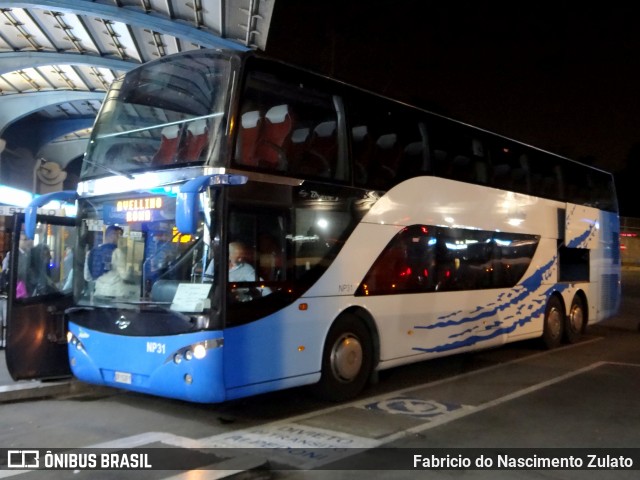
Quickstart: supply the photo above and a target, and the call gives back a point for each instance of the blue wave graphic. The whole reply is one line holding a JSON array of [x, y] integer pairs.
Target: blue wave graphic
[[528, 300]]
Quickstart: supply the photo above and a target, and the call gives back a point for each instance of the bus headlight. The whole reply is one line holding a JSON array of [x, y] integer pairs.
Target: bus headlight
[[196, 351], [199, 351], [73, 340]]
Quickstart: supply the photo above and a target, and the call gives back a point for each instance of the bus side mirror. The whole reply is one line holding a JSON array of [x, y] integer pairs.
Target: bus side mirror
[[188, 204], [31, 212]]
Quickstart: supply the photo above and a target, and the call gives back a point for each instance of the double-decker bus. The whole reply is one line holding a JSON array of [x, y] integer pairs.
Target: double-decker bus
[[245, 226]]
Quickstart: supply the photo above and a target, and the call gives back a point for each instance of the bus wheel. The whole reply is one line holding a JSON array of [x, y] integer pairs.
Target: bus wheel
[[553, 323], [346, 360], [575, 321]]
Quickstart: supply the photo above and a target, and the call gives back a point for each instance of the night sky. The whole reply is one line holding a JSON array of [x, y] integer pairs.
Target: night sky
[[562, 76]]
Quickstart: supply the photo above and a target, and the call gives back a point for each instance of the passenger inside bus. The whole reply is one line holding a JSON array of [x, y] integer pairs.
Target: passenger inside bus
[[39, 281], [106, 266]]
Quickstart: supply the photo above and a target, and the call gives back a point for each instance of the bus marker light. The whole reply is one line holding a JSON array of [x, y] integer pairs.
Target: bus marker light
[[188, 379], [177, 358], [301, 348], [303, 307]]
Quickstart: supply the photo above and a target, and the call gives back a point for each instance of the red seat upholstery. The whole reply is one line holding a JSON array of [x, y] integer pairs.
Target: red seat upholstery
[[250, 126], [323, 148], [197, 139], [275, 133], [170, 139]]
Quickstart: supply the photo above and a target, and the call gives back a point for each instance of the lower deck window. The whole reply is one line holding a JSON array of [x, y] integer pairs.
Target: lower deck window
[[428, 259]]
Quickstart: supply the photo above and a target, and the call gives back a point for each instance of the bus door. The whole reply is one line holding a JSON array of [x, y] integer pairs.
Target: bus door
[[40, 289]]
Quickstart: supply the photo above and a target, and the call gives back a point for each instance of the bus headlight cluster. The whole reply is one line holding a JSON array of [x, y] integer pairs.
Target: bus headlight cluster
[[73, 340], [197, 351]]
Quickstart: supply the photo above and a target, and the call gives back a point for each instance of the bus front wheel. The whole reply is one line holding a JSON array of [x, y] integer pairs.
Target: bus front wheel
[[346, 361], [553, 323]]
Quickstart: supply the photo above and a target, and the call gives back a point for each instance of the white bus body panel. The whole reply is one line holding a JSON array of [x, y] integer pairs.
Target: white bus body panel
[[417, 326], [433, 324]]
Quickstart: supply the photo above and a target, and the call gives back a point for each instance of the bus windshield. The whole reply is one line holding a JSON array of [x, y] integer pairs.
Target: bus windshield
[[161, 115], [132, 253]]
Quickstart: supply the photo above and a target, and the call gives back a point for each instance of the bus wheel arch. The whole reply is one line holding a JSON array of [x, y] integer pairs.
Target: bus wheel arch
[[347, 358], [554, 322], [577, 318]]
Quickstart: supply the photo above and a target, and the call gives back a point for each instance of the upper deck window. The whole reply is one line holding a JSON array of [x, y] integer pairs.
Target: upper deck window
[[163, 114], [290, 126]]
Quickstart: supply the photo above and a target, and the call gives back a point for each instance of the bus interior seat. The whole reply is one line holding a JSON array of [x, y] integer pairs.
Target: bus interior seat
[[412, 161], [297, 148], [519, 180], [550, 186], [386, 158], [501, 176], [480, 167], [323, 147], [270, 258], [361, 148], [440, 167], [250, 124], [536, 183], [195, 142], [170, 139], [276, 131], [462, 169]]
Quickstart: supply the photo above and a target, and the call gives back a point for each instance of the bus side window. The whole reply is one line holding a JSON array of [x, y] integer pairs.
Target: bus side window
[[406, 265], [388, 144], [299, 132]]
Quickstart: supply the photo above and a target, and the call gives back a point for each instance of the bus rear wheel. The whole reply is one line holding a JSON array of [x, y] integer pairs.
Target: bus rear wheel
[[346, 361], [575, 321], [553, 323]]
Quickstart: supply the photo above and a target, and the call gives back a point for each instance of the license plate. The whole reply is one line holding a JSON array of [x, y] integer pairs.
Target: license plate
[[122, 377]]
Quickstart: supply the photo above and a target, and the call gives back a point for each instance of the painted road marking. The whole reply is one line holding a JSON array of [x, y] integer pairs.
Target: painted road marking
[[414, 407], [306, 447]]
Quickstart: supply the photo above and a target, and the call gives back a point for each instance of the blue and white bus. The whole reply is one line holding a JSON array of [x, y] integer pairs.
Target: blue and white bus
[[368, 233]]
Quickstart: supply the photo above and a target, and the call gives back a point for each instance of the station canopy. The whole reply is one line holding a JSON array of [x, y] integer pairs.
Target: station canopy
[[58, 58]]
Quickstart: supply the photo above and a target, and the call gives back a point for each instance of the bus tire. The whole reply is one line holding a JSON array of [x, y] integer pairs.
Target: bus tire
[[552, 333], [347, 360], [575, 321]]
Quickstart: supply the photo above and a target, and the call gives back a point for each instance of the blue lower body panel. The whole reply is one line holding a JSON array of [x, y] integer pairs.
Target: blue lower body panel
[[186, 366]]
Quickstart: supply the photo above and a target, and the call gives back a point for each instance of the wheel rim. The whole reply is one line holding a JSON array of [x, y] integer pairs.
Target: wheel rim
[[554, 323], [346, 358], [576, 318]]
